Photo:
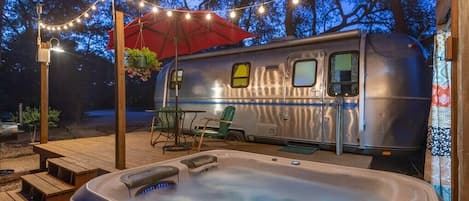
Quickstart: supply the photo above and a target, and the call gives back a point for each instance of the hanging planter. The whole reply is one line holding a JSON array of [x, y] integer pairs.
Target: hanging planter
[[140, 63]]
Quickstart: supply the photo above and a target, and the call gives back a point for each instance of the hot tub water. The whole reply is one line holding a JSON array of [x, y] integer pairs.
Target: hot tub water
[[245, 184]]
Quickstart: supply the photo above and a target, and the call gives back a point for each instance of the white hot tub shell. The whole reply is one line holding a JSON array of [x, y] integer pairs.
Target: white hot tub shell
[[313, 179]]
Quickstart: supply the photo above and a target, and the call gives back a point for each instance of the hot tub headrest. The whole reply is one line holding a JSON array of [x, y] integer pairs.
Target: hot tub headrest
[[199, 161], [148, 176]]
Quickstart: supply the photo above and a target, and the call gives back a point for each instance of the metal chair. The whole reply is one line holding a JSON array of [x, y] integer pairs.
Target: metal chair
[[224, 123], [164, 122]]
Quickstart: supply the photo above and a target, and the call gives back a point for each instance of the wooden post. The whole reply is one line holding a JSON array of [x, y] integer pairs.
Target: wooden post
[[460, 19], [120, 89], [44, 122], [454, 102]]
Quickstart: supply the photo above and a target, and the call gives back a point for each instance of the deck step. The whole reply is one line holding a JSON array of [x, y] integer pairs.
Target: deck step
[[71, 171], [11, 196], [45, 187]]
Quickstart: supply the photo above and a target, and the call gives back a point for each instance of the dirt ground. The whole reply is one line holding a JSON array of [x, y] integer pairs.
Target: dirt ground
[[18, 157]]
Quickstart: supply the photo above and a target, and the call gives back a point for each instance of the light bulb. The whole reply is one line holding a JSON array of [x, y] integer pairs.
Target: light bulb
[[232, 14], [93, 7], [141, 4], [261, 9], [57, 49], [208, 16], [53, 28], [48, 28], [188, 16], [59, 28], [86, 15], [169, 13], [295, 2], [78, 20], [70, 24], [65, 27], [154, 9]]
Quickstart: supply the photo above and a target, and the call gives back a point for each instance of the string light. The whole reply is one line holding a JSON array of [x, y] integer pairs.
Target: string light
[[261, 9], [154, 9], [70, 24], [232, 14]]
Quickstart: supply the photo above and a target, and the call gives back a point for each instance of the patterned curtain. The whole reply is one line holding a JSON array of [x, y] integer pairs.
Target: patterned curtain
[[438, 153]]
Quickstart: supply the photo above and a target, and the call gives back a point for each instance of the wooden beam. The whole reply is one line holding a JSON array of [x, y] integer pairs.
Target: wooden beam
[[120, 89], [44, 109]]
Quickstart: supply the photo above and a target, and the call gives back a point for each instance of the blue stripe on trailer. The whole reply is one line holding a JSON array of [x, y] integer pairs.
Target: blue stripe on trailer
[[345, 105]]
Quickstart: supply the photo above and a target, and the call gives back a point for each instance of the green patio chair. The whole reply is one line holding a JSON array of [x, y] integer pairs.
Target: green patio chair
[[164, 122], [224, 123]]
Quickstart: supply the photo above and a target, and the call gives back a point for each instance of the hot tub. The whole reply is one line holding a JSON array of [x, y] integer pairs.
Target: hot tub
[[237, 176]]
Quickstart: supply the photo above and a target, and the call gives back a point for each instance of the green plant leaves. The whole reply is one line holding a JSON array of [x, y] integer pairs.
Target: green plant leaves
[[141, 62], [32, 117]]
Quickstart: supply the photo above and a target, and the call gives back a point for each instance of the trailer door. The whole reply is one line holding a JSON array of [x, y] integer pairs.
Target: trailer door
[[303, 98], [341, 102]]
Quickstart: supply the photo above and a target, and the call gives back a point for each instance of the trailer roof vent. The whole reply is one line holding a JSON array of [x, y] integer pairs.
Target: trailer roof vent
[[287, 38]]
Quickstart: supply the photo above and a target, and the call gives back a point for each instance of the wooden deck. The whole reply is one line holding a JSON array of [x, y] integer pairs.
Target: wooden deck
[[99, 151]]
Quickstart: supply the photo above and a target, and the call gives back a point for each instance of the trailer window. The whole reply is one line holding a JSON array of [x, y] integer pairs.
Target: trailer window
[[304, 73], [172, 83], [240, 75], [343, 74]]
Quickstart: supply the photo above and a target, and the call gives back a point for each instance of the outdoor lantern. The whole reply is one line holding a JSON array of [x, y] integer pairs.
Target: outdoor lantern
[[43, 54]]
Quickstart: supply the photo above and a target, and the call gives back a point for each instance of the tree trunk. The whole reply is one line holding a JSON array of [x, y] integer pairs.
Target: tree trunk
[[289, 27], [314, 21], [2, 4], [399, 16], [240, 13]]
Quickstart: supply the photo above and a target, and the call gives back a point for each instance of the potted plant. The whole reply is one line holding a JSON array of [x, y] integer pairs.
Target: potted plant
[[141, 62]]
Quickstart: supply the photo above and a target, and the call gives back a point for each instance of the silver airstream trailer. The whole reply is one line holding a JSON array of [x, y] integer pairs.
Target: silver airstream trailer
[[371, 92]]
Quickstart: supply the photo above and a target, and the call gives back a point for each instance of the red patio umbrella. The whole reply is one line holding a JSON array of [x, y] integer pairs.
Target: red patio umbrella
[[176, 35]]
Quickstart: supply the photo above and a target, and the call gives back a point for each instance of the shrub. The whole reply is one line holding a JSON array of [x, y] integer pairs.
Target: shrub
[[32, 120]]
